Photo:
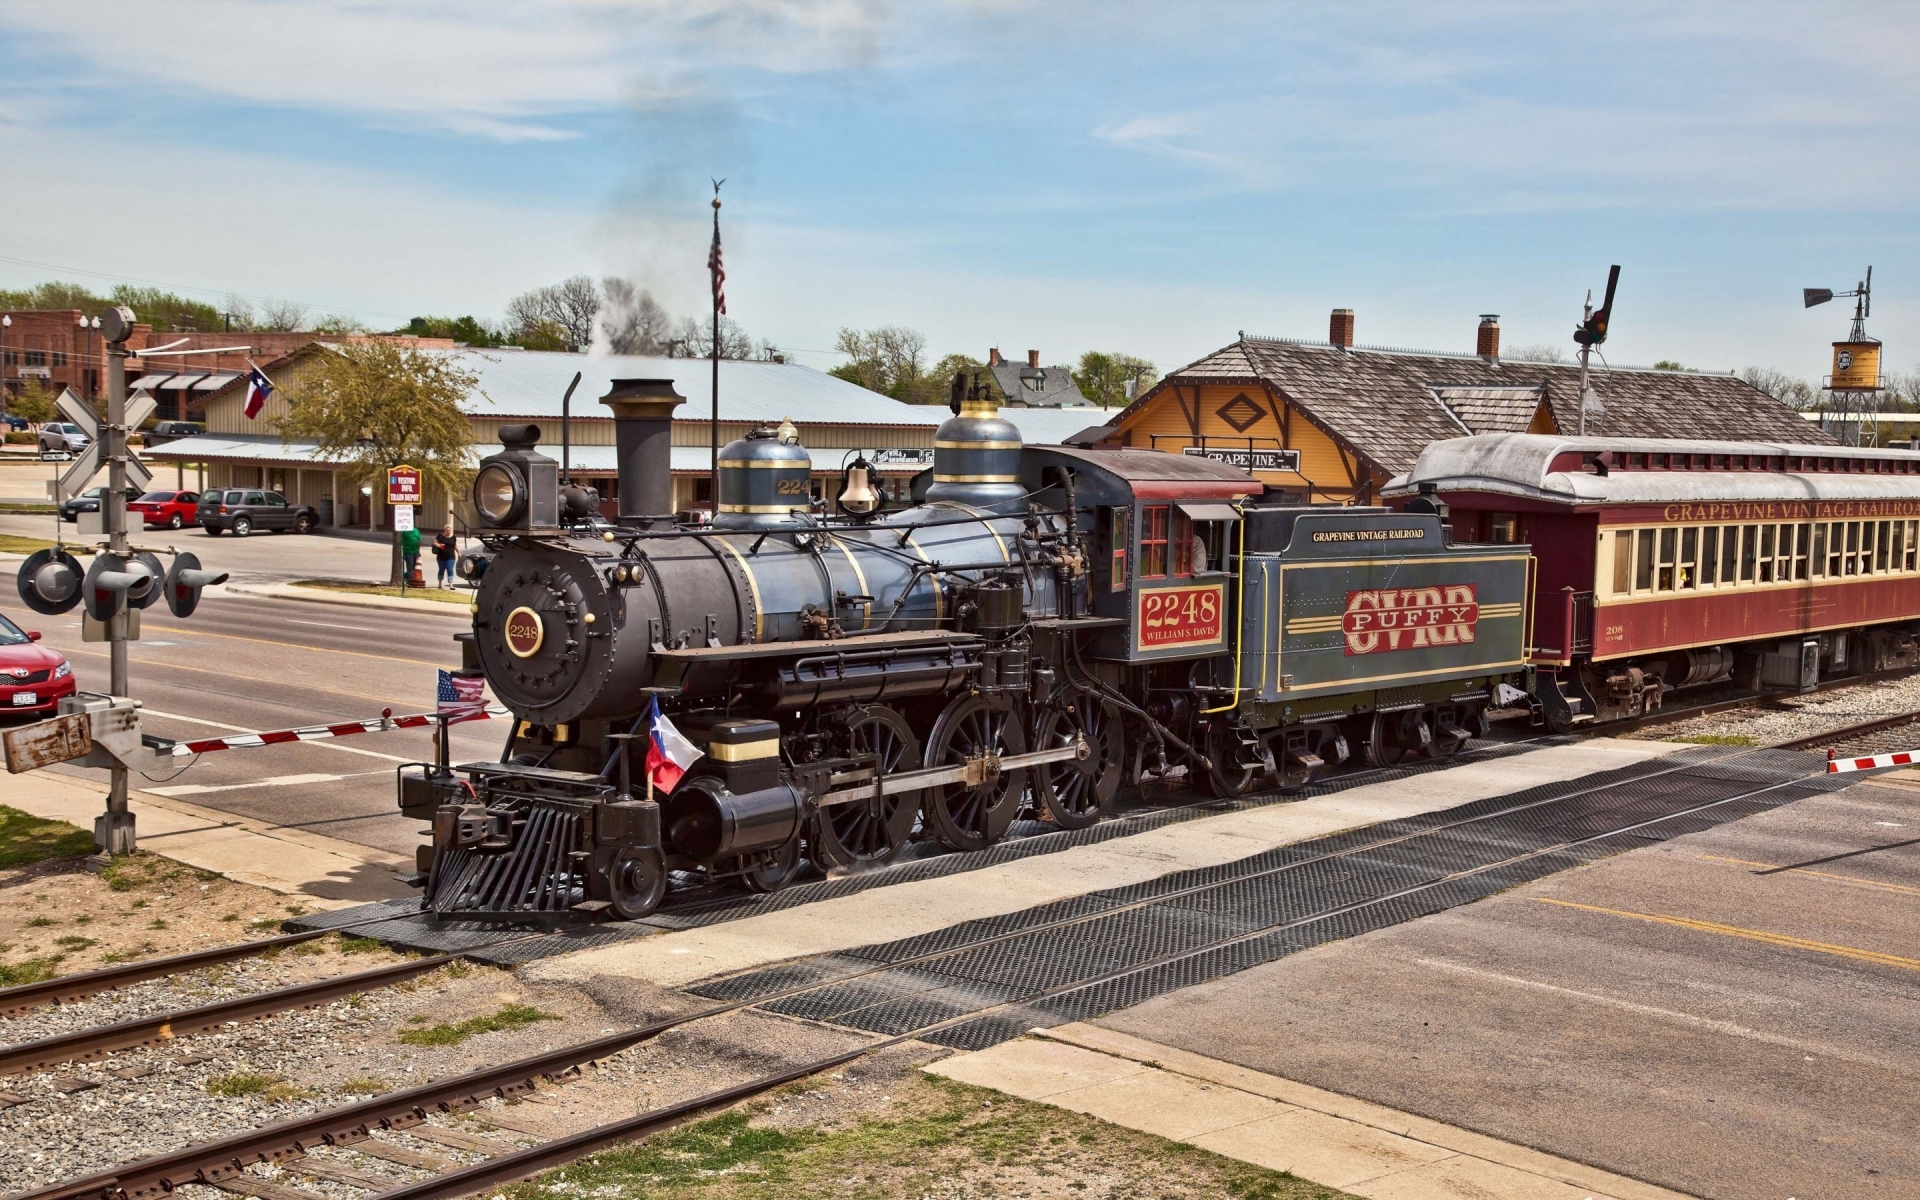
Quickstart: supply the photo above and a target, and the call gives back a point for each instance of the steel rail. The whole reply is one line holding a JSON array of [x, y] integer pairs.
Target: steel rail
[[1847, 732], [161, 1027], [209, 1163], [67, 988], [523, 1164]]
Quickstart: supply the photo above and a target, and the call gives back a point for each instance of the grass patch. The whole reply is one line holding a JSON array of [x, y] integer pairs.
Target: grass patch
[[358, 945], [74, 942], [120, 956], [510, 1016], [1718, 739], [456, 596], [29, 839], [13, 544], [240, 1083], [363, 1087], [938, 1134], [40, 922], [156, 923], [29, 970]]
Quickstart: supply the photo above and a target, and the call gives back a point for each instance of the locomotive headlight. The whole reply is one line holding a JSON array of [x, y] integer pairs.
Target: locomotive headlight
[[499, 493]]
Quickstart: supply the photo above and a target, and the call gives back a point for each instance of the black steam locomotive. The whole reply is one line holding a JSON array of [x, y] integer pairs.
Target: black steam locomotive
[[1042, 625]]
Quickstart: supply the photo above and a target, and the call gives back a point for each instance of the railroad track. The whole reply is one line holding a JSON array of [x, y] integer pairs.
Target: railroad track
[[1260, 909]]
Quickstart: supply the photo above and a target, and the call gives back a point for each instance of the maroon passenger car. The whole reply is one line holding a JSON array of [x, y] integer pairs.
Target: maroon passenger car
[[1666, 563]]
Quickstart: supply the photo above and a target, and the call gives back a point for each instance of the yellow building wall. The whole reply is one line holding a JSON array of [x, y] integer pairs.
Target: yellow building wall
[[1327, 472]]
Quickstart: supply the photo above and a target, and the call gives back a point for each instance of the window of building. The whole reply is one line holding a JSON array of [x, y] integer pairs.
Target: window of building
[[1503, 527], [1153, 542], [36, 358]]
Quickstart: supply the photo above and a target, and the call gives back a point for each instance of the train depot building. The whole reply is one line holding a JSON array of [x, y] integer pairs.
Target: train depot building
[[1333, 421]]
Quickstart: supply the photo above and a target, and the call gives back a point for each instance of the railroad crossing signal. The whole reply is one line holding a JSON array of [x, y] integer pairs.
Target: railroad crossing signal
[[89, 461], [184, 581]]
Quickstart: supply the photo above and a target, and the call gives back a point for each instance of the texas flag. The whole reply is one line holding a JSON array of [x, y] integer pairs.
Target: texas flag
[[259, 387], [668, 753]]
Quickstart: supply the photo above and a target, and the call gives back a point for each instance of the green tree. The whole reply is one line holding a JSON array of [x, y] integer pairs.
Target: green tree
[[885, 360], [1114, 379], [466, 329], [1668, 364], [377, 404], [34, 402]]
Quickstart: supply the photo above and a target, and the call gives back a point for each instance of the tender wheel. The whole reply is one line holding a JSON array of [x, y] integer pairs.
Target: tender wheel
[[1394, 737], [242, 527], [772, 870], [636, 882], [1072, 793], [1226, 777], [175, 521], [303, 524], [973, 818], [871, 832]]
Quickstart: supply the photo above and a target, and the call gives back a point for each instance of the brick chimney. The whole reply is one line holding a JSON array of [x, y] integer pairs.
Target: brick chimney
[[1487, 344], [993, 357], [1340, 328], [1033, 358]]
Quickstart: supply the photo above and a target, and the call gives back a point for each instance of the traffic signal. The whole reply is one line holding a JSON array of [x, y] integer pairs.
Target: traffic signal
[[50, 582], [114, 581], [1593, 330], [184, 582]]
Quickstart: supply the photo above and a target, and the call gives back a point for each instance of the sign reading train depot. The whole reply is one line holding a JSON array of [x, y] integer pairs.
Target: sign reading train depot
[[1410, 618], [403, 485]]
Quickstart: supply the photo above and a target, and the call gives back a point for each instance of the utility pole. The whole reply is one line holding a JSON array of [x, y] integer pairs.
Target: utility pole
[[114, 829]]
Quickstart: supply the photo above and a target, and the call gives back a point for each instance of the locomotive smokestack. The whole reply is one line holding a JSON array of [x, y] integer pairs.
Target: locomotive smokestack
[[643, 439]]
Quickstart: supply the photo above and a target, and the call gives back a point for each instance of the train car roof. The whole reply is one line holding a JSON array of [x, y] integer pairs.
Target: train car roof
[[1146, 474], [1581, 471]]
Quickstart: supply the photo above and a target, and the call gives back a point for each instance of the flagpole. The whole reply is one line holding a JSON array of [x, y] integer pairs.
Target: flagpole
[[713, 421]]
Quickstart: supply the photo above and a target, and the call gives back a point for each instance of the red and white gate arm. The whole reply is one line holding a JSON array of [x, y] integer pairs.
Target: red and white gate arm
[[1873, 762], [316, 733]]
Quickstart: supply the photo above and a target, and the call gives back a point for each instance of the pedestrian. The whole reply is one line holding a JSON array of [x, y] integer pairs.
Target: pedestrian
[[410, 553], [446, 548]]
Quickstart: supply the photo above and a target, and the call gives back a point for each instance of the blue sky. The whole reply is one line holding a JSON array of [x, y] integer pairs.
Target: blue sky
[[1140, 177]]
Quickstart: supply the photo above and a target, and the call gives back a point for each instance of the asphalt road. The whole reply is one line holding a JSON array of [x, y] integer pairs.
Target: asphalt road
[[245, 663], [260, 558]]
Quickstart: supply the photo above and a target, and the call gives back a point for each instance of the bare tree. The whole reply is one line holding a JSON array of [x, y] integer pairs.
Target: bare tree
[[1545, 352], [887, 360], [281, 316], [697, 338], [571, 304], [634, 322], [1789, 390], [237, 311]]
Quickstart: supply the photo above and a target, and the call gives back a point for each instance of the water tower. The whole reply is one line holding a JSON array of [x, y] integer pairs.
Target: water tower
[[1855, 382]]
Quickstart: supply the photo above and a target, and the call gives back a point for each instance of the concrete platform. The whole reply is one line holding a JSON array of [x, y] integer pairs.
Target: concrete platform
[[885, 914], [1729, 1014], [325, 872], [1318, 1135]]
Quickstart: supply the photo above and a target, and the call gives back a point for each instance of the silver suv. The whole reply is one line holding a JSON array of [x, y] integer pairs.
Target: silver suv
[[62, 435]]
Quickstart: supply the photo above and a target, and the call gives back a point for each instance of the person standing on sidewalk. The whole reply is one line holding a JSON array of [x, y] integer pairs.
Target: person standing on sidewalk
[[446, 548], [410, 553]]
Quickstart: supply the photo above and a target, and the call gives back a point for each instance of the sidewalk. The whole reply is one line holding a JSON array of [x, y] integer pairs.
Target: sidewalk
[[290, 591], [325, 872]]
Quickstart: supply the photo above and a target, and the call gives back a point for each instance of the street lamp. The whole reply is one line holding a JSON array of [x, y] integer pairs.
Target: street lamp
[[6, 323], [87, 330]]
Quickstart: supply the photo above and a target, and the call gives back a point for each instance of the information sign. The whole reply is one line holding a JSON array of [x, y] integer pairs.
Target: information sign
[[402, 517], [403, 485]]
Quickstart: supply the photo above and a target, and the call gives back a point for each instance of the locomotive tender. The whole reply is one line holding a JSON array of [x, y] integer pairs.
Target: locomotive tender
[[1040, 626]]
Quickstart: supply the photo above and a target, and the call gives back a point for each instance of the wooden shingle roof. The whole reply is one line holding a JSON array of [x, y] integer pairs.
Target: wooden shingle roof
[[1384, 403]]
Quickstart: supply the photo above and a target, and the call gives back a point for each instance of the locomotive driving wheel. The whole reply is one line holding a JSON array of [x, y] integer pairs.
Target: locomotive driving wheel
[[1072, 793], [870, 832], [973, 817], [1228, 774], [635, 881], [770, 870]]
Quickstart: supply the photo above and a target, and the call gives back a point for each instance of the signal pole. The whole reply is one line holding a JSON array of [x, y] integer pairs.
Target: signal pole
[[1586, 315], [113, 831]]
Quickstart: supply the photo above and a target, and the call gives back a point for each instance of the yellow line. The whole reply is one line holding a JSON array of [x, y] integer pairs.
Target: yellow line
[[1754, 935], [1870, 883], [234, 637]]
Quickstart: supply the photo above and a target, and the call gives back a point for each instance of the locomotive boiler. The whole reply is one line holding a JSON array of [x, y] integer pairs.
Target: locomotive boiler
[[1037, 627]]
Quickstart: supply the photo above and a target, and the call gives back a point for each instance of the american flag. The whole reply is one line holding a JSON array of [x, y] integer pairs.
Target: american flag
[[719, 270], [460, 695]]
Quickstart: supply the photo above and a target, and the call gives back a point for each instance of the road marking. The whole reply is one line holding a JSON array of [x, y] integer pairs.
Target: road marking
[[1755, 935], [234, 637], [331, 625], [201, 789], [1853, 879], [310, 687]]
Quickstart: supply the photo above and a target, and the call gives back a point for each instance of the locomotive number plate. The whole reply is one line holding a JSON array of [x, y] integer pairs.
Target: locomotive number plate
[[524, 632], [1410, 618], [1180, 616]]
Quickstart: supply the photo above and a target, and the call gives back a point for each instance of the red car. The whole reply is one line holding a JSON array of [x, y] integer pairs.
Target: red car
[[168, 510], [32, 677]]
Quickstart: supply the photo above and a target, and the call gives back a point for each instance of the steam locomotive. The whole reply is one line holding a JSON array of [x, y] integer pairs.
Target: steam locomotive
[[1038, 627]]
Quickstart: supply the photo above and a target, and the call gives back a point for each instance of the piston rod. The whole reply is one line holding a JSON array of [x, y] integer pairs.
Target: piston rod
[[983, 768]]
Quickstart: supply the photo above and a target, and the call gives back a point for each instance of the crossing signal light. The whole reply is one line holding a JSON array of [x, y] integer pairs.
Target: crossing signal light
[[50, 582], [184, 582], [1593, 330], [116, 581]]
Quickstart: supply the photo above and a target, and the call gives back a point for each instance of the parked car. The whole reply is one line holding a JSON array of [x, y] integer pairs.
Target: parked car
[[15, 423], [168, 509], [244, 510], [171, 431], [56, 436], [89, 501], [32, 677]]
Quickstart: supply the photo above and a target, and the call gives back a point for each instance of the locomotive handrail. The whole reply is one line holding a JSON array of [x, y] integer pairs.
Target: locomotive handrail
[[975, 771], [1240, 616]]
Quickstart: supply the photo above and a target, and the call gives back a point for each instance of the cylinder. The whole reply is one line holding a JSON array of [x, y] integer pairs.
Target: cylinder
[[763, 478], [643, 441], [705, 821], [976, 460]]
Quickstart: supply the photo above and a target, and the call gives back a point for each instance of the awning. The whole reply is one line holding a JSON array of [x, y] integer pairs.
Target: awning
[[151, 381], [1208, 512], [214, 383], [182, 381]]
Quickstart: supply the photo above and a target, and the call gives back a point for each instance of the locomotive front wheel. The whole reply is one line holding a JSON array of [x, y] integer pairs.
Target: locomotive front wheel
[[1072, 793], [772, 870], [870, 832], [636, 881], [1227, 777], [973, 818]]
